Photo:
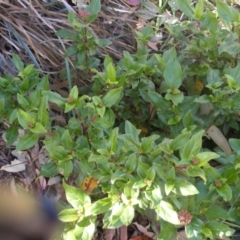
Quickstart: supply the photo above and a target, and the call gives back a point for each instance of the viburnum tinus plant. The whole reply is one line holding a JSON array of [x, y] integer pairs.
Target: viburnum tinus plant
[[159, 132]]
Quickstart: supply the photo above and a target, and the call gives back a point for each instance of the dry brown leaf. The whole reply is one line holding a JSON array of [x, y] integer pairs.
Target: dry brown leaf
[[54, 180], [153, 45], [123, 233], [109, 234], [15, 166], [133, 2], [217, 136], [144, 230]]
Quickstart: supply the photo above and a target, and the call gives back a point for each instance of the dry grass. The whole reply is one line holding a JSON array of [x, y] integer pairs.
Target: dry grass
[[28, 28]]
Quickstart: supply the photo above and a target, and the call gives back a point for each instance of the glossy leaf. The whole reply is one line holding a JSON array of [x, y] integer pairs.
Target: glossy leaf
[[111, 73], [147, 143], [49, 169], [112, 97], [76, 197], [219, 229], [205, 157], [226, 12], [27, 141], [11, 135], [170, 232], [65, 168], [167, 213], [193, 146], [17, 62], [68, 215], [193, 229], [198, 10], [101, 206], [185, 7], [185, 188], [173, 74], [225, 192]]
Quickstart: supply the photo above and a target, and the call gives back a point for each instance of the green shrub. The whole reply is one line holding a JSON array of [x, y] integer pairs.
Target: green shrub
[[143, 129]]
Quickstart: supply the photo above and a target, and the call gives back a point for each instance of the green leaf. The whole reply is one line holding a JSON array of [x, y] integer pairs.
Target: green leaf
[[153, 196], [219, 229], [27, 70], [114, 219], [175, 98], [226, 12], [38, 128], [184, 187], [132, 131], [22, 101], [127, 215], [65, 34], [229, 45], [215, 212], [198, 10], [71, 50], [131, 162], [193, 146], [17, 62], [225, 192], [118, 175], [196, 171], [98, 158], [57, 153], [169, 186], [112, 97], [122, 213], [174, 120], [101, 206], [94, 7], [185, 7], [235, 144], [167, 213], [74, 93], [146, 145], [25, 119], [162, 147], [101, 111], [194, 229], [49, 169], [209, 21], [113, 140], [27, 141], [173, 74], [66, 140], [11, 135], [111, 73], [180, 141], [43, 114], [205, 157], [68, 215], [55, 98], [69, 107], [207, 232], [170, 232], [65, 168], [84, 233], [76, 197]]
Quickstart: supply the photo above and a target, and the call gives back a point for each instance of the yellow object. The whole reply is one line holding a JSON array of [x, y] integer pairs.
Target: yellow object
[[195, 88], [89, 184]]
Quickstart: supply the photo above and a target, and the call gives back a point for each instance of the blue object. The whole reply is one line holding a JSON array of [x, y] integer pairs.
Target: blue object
[[49, 208]]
